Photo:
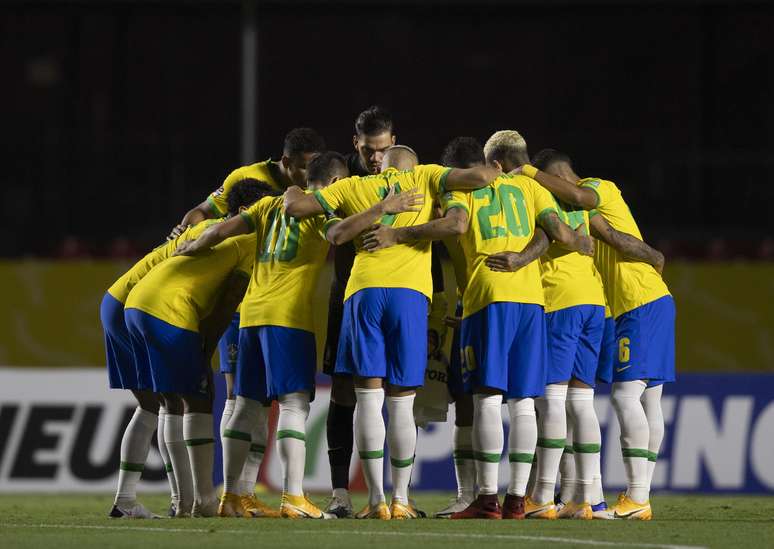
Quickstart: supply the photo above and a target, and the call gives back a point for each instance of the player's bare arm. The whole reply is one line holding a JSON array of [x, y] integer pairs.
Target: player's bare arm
[[513, 261], [562, 189], [213, 326], [468, 179], [393, 203], [299, 204], [575, 240], [627, 245], [213, 236], [454, 223], [194, 216]]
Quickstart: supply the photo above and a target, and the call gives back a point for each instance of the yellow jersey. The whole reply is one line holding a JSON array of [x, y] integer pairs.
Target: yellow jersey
[[502, 217], [570, 278], [289, 257], [182, 290], [121, 287], [264, 171], [628, 284], [402, 265]]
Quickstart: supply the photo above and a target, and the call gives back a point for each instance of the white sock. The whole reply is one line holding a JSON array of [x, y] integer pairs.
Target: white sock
[[464, 464], [258, 438], [135, 445], [587, 441], [567, 468], [228, 410], [199, 441], [634, 436], [552, 435], [369, 438], [178, 455], [522, 440], [236, 442], [291, 440], [173, 491], [487, 440], [402, 442], [651, 402]]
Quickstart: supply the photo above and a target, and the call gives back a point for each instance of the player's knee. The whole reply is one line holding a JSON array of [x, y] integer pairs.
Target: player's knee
[[295, 403], [521, 407]]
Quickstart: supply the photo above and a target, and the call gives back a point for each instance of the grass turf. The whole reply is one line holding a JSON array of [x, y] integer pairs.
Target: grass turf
[[80, 522]]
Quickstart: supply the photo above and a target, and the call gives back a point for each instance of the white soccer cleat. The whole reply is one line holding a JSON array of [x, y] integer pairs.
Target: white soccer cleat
[[340, 505], [456, 506], [133, 510], [205, 509]]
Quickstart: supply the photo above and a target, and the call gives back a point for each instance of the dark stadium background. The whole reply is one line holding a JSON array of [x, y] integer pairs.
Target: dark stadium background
[[119, 116]]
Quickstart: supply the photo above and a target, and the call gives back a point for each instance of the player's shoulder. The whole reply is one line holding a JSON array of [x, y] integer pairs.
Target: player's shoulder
[[516, 180], [596, 183]]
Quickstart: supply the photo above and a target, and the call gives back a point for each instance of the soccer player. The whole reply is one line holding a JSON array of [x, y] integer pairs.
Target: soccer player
[[644, 313], [175, 316], [383, 341]]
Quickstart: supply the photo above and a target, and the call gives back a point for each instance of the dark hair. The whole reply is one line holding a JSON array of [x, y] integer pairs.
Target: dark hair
[[503, 153], [546, 157], [324, 166], [373, 121], [303, 140], [463, 152], [246, 192]]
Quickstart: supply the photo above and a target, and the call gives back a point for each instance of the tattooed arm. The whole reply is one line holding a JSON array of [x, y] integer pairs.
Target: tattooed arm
[[513, 261], [626, 244], [564, 235]]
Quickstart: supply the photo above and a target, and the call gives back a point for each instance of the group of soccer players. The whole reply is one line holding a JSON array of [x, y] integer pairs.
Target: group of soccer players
[[545, 311]]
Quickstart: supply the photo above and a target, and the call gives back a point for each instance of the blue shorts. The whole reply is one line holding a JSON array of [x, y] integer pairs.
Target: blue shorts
[[456, 386], [384, 334], [275, 361], [228, 346], [607, 352], [173, 356], [504, 347], [574, 337], [645, 340], [122, 372]]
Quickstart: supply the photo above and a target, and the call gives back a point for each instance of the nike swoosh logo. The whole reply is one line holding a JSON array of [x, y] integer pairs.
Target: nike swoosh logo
[[633, 513], [619, 370]]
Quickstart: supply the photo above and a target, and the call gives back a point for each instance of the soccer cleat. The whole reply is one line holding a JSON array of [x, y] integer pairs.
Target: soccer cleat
[[565, 510], [420, 513], [205, 509], [299, 507], [231, 506], [457, 505], [132, 511], [601, 512], [628, 509], [513, 507], [533, 510], [483, 507], [582, 512], [256, 508], [172, 511], [402, 511], [341, 506], [379, 512]]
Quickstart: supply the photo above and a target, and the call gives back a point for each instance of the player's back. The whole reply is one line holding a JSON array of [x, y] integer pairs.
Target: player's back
[[264, 171], [628, 284], [184, 289], [502, 218], [289, 257]]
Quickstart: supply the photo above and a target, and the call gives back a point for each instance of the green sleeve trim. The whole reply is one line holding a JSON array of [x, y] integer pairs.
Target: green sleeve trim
[[290, 433], [634, 453], [134, 467], [401, 463], [323, 202], [489, 458], [460, 205], [592, 213], [199, 441], [652, 456], [463, 454], [545, 212], [596, 192], [372, 454], [249, 220], [239, 435], [555, 443], [214, 207], [517, 457], [328, 224], [590, 448], [442, 182], [258, 448]]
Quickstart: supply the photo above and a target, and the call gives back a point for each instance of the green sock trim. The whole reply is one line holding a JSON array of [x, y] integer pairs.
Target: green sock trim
[[258, 448], [134, 467], [551, 443], [652, 456], [590, 448], [489, 458], [568, 449], [464, 454], [634, 453], [373, 454], [168, 467], [199, 441], [516, 457], [290, 433], [239, 435], [402, 462]]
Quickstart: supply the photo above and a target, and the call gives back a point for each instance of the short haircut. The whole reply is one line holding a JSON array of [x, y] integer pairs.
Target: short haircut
[[506, 145], [323, 167], [247, 192], [545, 158], [303, 140], [463, 152], [373, 121], [401, 157]]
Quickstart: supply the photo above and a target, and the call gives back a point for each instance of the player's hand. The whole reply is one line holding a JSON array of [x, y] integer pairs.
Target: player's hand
[[505, 262], [395, 202], [292, 193], [177, 231], [585, 242], [453, 322], [188, 247], [378, 237], [515, 171]]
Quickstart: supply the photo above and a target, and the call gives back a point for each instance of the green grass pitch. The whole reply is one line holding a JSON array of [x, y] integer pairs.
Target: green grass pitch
[[80, 522]]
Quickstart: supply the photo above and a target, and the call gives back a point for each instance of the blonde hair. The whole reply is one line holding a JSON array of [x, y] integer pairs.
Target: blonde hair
[[505, 142]]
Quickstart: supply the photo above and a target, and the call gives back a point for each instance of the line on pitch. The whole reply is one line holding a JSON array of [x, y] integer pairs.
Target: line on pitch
[[457, 535]]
